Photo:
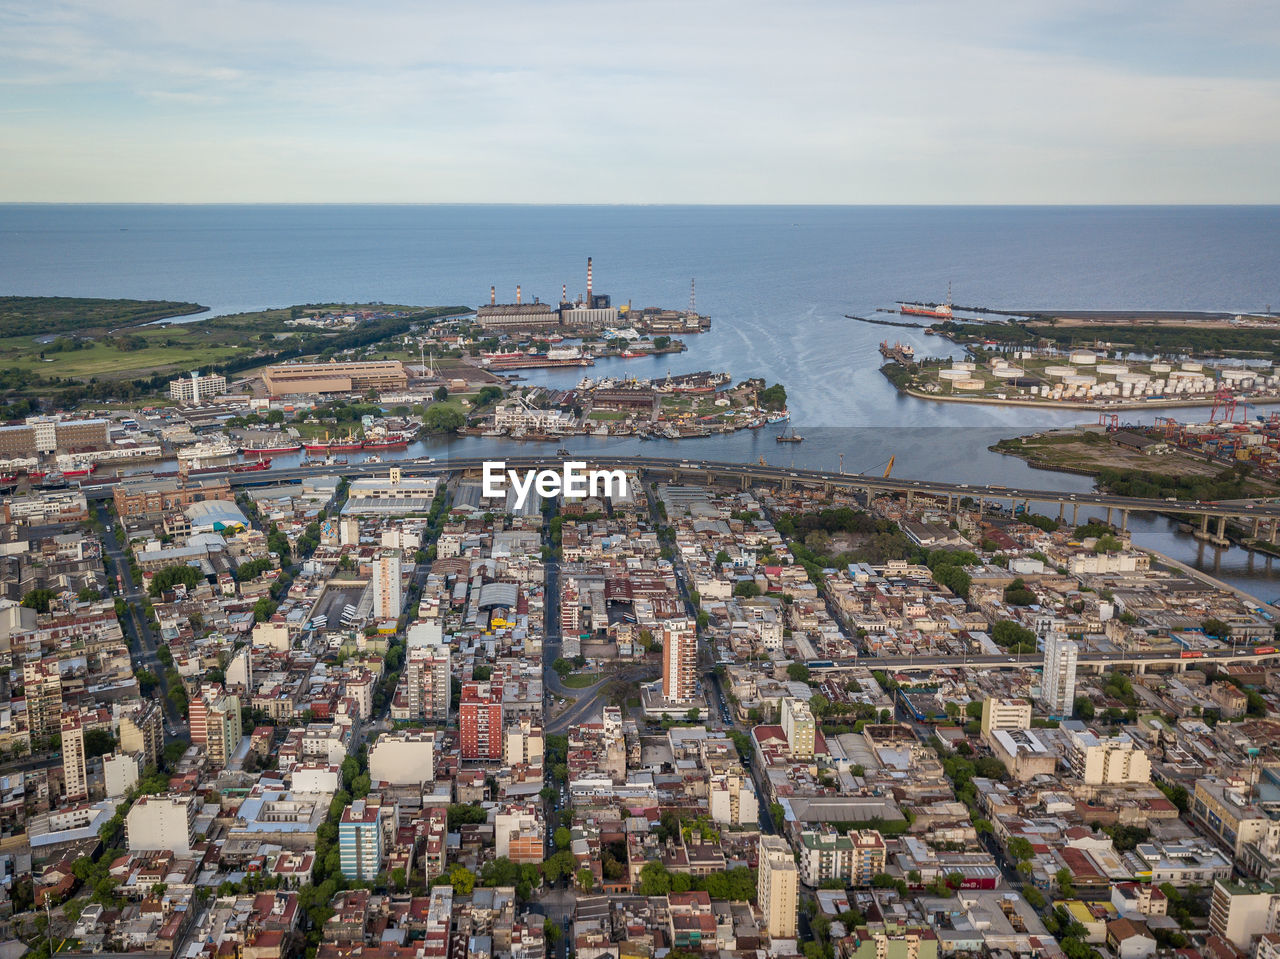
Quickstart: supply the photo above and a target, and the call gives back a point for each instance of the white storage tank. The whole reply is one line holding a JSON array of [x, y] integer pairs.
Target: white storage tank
[[1112, 369], [967, 384], [1082, 358], [1192, 367], [1007, 372], [955, 375], [1160, 367], [1057, 372]]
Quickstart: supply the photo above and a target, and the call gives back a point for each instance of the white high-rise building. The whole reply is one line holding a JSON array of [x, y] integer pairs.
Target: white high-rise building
[[777, 887], [1059, 683], [386, 587], [166, 822], [195, 388], [74, 769], [679, 661], [428, 681]]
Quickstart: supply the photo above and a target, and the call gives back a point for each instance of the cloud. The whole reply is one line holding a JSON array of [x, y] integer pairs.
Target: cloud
[[914, 101]]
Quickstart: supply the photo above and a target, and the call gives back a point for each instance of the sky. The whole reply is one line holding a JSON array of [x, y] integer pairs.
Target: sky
[[664, 101]]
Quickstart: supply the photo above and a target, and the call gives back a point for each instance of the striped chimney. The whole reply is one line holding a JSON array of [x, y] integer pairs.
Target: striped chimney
[[517, 294], [493, 296], [590, 302]]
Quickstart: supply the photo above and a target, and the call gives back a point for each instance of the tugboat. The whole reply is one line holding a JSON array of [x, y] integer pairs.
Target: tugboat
[[789, 436]]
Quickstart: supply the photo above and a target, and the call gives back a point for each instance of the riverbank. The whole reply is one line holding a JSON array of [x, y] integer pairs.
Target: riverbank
[[1205, 577], [1166, 404]]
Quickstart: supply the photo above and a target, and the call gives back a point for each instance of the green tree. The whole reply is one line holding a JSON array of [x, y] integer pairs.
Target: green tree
[[586, 879], [98, 742], [1063, 878], [1083, 708], [798, 672], [171, 576], [39, 599], [654, 879], [444, 418], [1216, 628], [462, 879], [563, 838], [1020, 848]]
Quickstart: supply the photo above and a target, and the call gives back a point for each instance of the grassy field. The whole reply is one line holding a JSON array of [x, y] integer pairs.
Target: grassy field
[[1094, 451], [92, 351], [582, 681], [39, 315], [142, 352]]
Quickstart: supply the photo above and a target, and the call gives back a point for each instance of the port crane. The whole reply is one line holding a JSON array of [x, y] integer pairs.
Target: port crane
[[1225, 401]]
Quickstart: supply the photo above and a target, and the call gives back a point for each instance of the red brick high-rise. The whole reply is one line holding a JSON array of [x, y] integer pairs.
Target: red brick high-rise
[[480, 720]]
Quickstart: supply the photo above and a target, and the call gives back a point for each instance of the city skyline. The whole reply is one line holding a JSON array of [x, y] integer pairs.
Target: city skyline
[[817, 103]]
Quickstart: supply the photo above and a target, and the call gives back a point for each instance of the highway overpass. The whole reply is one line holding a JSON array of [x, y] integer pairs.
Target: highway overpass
[[1264, 516], [1091, 662]]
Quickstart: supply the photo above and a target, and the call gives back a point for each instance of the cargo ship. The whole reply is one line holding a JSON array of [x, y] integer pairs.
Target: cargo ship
[[253, 467], [392, 442], [349, 445], [270, 448], [942, 311], [207, 451], [516, 360], [899, 352]]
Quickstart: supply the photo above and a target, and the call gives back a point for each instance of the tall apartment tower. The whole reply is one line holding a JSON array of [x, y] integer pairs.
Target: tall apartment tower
[[679, 661], [214, 718], [776, 887], [142, 731], [428, 679], [1059, 682], [42, 683], [387, 603], [360, 849], [480, 720], [75, 772]]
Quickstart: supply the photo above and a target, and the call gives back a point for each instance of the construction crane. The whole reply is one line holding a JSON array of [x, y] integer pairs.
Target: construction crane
[[889, 469], [762, 462]]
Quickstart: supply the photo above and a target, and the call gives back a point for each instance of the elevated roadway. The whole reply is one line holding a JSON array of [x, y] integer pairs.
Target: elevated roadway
[[1085, 662], [1264, 514]]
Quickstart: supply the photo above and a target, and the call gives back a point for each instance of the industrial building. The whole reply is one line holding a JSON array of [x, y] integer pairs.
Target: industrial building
[[44, 434], [306, 378]]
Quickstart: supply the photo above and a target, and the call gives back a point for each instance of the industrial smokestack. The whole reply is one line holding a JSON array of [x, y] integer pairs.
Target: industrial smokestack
[[564, 292], [493, 296], [517, 294], [590, 301]]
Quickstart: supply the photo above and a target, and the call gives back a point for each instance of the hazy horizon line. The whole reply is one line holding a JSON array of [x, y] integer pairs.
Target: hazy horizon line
[[492, 203]]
